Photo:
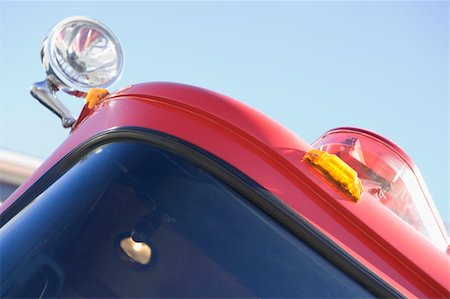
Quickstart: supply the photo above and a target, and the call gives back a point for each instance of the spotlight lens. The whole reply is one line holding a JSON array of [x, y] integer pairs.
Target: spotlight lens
[[82, 53], [138, 252]]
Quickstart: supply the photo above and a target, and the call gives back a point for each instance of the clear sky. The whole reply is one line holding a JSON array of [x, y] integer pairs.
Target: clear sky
[[312, 66]]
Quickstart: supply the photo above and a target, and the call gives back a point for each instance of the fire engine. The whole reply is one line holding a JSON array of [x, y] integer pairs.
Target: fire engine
[[169, 190]]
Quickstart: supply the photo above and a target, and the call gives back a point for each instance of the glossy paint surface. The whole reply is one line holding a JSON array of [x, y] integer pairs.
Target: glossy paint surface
[[272, 156]]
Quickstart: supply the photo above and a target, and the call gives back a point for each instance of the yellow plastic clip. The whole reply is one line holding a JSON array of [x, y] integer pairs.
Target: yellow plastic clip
[[94, 96], [338, 171]]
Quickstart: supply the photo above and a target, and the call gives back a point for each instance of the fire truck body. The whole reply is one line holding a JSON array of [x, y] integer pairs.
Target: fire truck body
[[365, 239]]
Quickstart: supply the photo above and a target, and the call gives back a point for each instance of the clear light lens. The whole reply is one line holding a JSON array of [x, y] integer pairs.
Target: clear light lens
[[389, 176], [83, 53]]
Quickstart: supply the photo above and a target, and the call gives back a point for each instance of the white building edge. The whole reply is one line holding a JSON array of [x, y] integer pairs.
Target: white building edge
[[15, 168]]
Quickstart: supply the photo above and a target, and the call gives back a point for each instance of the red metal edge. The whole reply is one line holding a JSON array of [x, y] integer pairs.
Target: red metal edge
[[271, 155]]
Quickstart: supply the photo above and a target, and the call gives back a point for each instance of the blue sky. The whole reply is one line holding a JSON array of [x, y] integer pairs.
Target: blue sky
[[312, 66]]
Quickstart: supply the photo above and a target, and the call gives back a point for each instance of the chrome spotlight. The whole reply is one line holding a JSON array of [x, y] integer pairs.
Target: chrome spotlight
[[79, 53]]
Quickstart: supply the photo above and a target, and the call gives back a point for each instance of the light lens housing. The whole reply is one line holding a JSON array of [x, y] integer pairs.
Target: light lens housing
[[389, 176], [82, 53]]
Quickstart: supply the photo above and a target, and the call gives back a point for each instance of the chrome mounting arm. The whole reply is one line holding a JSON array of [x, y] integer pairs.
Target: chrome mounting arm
[[45, 92]]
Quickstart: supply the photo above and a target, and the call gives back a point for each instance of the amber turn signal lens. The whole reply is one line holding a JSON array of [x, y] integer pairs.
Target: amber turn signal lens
[[345, 177]]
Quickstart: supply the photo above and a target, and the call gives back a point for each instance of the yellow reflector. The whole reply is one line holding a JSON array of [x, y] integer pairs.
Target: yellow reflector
[[338, 171], [94, 96]]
